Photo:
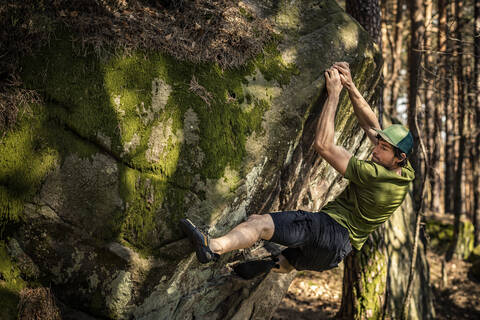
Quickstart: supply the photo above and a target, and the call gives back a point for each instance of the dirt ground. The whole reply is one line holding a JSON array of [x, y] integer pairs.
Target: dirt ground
[[460, 298], [312, 295], [317, 295]]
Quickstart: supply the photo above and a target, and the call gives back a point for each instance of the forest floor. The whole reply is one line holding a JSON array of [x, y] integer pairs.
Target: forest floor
[[317, 295]]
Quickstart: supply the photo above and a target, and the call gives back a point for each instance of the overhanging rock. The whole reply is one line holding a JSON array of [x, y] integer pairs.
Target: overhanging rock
[[129, 145]]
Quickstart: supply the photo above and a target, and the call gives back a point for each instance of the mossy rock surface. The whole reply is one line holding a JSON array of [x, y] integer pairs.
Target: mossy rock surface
[[441, 236], [11, 283], [94, 180]]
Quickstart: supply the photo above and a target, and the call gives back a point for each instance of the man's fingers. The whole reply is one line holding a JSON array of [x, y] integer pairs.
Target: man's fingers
[[341, 68], [343, 64]]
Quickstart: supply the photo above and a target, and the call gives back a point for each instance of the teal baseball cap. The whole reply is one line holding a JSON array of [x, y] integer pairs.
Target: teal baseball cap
[[398, 136]]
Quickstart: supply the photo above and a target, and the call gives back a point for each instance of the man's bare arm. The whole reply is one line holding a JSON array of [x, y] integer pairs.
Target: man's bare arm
[[324, 144], [365, 115]]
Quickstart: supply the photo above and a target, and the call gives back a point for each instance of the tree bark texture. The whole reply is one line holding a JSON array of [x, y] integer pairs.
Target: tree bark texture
[[431, 136], [446, 72], [417, 33], [476, 136], [459, 91], [367, 13], [393, 45]]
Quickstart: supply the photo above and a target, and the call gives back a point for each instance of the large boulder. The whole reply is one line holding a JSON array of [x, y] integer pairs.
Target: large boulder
[[98, 175]]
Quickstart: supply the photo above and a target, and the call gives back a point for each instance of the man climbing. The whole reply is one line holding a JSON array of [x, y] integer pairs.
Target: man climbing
[[320, 240]]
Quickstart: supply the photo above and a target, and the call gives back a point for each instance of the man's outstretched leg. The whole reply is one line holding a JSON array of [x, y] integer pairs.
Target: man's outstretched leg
[[245, 234], [242, 236]]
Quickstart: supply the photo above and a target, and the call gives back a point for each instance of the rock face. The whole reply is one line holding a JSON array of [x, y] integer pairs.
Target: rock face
[[125, 146]]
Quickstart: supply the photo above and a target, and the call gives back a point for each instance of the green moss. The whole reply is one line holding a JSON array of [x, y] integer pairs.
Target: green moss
[[10, 285], [373, 279], [74, 87], [139, 224], [465, 239], [440, 234], [272, 66], [109, 102], [25, 159]]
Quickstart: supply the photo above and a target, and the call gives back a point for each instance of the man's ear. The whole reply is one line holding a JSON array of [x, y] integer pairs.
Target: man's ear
[[403, 156]]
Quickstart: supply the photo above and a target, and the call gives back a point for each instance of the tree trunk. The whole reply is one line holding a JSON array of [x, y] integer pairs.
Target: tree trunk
[[441, 104], [476, 137], [459, 97], [417, 32], [367, 13], [429, 102], [449, 110], [393, 65]]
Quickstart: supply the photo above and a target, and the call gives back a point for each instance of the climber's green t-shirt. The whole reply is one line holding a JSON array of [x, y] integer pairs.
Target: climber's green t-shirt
[[370, 198]]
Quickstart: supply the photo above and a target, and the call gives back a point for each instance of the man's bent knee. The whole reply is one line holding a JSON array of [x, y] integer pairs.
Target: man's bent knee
[[264, 225]]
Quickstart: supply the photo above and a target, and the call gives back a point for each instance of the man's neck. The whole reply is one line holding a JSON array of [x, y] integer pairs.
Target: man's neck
[[397, 170]]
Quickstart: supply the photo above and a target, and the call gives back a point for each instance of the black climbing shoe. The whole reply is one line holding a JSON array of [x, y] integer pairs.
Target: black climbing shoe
[[250, 269], [199, 241]]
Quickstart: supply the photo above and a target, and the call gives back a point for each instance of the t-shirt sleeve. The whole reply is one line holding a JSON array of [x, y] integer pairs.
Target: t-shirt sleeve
[[360, 171]]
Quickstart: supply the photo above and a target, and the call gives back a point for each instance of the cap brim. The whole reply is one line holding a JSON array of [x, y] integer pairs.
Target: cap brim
[[384, 136]]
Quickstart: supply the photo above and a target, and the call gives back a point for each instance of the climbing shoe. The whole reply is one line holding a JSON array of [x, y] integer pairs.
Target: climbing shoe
[[251, 269], [199, 241]]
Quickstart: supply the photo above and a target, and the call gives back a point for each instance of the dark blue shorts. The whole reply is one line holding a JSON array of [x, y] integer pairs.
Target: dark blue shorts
[[315, 241]]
